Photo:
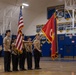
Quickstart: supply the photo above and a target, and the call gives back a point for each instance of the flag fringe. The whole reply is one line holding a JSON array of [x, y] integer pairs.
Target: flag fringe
[[54, 56], [19, 51], [46, 36]]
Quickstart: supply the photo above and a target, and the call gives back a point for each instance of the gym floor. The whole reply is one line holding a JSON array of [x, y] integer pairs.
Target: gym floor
[[49, 67]]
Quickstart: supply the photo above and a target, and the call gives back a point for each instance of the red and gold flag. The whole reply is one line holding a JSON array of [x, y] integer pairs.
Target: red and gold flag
[[49, 31]]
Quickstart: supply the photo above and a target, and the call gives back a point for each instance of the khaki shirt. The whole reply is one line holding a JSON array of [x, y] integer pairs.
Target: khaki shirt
[[28, 47], [7, 42], [14, 51], [37, 44], [24, 47]]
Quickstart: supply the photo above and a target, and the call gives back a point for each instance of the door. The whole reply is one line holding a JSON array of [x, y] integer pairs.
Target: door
[[68, 50]]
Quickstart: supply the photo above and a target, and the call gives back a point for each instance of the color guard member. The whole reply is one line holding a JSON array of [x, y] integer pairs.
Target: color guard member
[[0, 50], [29, 53], [14, 56], [7, 51], [22, 57], [37, 51]]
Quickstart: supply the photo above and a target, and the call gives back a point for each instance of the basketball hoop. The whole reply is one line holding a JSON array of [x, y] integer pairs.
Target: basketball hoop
[[70, 7]]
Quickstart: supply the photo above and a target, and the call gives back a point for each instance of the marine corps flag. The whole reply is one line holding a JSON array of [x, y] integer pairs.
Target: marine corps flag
[[49, 31]]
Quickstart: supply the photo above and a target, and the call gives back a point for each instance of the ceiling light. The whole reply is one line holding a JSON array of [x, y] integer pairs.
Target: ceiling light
[[60, 0], [24, 4], [22, 7]]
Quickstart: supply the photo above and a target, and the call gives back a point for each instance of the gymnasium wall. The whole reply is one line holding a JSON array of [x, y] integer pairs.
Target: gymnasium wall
[[40, 19], [66, 46]]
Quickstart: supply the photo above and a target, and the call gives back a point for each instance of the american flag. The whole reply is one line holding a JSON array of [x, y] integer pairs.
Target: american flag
[[20, 23], [19, 43]]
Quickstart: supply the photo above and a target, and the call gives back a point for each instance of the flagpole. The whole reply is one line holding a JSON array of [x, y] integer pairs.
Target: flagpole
[[56, 37], [19, 43]]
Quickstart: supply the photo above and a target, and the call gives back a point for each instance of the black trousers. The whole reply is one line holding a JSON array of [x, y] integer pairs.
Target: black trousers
[[22, 58], [29, 60], [7, 60], [14, 62], [0, 53], [36, 58]]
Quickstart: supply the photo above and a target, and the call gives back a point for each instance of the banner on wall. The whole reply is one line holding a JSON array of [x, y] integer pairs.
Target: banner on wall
[[67, 26], [60, 12], [39, 27]]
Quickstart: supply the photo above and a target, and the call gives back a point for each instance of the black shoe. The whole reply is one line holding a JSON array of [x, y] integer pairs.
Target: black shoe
[[9, 71], [37, 68], [5, 71], [24, 69], [15, 70], [21, 69], [30, 69]]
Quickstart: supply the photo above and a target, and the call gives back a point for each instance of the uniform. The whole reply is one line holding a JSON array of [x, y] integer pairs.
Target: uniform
[[14, 58], [29, 55], [7, 53], [37, 54], [22, 58], [0, 50]]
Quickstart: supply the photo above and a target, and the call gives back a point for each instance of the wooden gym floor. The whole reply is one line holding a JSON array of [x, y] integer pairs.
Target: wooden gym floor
[[49, 67]]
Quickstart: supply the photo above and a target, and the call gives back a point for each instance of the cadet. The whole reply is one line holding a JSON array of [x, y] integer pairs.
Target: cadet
[[7, 51], [29, 53], [37, 51], [22, 57], [14, 56], [0, 50]]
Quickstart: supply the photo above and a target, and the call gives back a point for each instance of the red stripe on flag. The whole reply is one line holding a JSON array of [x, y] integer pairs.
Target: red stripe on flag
[[18, 39], [20, 22], [20, 45]]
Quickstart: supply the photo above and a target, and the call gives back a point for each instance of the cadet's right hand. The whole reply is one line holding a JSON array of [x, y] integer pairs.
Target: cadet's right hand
[[40, 51]]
